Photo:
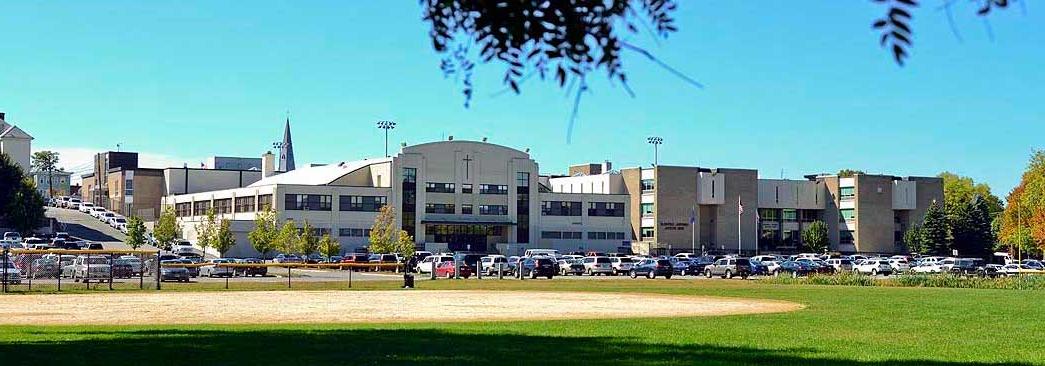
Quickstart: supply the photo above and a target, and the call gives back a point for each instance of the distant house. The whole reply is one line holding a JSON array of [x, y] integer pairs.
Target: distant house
[[15, 143]]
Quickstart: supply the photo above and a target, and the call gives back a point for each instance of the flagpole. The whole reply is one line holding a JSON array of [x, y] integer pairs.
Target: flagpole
[[740, 231]]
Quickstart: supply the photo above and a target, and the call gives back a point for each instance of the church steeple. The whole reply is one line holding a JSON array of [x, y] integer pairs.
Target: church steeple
[[286, 150]]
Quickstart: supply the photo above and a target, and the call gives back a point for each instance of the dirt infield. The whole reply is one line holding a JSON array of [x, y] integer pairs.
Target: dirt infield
[[280, 307]]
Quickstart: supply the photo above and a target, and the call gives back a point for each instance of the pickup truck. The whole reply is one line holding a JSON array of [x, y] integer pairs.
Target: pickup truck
[[87, 268]]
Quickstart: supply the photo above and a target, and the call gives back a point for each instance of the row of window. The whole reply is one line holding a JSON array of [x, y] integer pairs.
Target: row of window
[[600, 235], [224, 206], [355, 233], [323, 202], [565, 208], [561, 235], [466, 188]]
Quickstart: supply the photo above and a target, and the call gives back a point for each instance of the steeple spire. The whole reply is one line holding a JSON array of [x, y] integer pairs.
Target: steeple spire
[[286, 152]]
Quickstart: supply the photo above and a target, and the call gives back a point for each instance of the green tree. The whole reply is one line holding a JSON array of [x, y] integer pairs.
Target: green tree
[[935, 230], [11, 177], [207, 230], [329, 247], [25, 211], [135, 232], [814, 237], [384, 236], [46, 162], [287, 238], [263, 236], [223, 239], [404, 244], [959, 190], [849, 173], [166, 230], [308, 243], [913, 238]]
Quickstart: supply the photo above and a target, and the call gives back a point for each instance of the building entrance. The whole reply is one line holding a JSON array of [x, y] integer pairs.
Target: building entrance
[[465, 237]]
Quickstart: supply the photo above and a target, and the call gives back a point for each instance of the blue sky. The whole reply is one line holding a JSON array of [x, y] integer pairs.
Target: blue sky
[[792, 89]]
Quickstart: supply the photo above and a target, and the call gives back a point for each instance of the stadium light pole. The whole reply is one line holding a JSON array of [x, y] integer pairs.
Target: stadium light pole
[[655, 141], [386, 125]]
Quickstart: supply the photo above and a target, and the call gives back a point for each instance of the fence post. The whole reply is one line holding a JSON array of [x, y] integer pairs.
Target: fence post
[[30, 276], [500, 271], [111, 262], [479, 269], [158, 270], [6, 251], [288, 275], [141, 271], [433, 268], [87, 273], [350, 278], [227, 276]]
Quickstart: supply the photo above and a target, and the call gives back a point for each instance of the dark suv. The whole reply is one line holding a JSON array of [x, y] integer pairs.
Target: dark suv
[[539, 267], [651, 268], [964, 267], [729, 268]]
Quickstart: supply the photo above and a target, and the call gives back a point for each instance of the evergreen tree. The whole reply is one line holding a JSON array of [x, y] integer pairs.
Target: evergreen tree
[[935, 233], [983, 225], [964, 238], [25, 211]]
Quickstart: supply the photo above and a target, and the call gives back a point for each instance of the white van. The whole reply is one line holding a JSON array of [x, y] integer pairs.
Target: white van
[[541, 252]]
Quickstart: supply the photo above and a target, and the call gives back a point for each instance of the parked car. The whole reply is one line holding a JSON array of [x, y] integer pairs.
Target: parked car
[[794, 269], [840, 264], [1034, 264], [543, 266], [425, 265], [44, 268], [214, 268], [729, 268], [899, 265], [135, 262], [874, 267], [14, 275], [927, 267], [598, 266], [651, 268], [173, 273], [570, 266], [492, 264], [1019, 269], [621, 265], [86, 207], [251, 271], [287, 258], [449, 269], [88, 268], [122, 268], [686, 255]]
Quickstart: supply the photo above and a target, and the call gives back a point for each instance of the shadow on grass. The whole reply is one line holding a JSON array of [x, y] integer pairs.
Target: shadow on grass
[[391, 346]]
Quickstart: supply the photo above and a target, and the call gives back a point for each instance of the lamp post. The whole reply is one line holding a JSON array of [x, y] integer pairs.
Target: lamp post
[[386, 125], [655, 141]]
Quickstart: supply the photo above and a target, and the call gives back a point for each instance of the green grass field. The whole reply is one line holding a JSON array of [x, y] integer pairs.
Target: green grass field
[[840, 325]]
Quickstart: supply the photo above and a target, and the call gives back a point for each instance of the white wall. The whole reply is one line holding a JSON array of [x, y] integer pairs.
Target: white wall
[[905, 195], [796, 194]]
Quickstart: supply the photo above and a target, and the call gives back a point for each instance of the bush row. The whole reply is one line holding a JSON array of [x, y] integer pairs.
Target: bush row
[[915, 280]]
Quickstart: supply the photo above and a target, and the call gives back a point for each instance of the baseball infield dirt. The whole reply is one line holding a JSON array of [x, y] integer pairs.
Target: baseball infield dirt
[[279, 307]]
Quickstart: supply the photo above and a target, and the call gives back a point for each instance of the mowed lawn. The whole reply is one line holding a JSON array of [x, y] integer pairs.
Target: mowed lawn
[[839, 326]]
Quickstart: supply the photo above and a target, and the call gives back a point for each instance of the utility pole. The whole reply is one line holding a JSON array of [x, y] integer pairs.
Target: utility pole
[[386, 125]]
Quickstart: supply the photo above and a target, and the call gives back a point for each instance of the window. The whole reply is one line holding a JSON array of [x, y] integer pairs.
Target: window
[[551, 235], [845, 237], [439, 187], [223, 206], [571, 234], [790, 214], [361, 203], [647, 185], [847, 214], [522, 179], [466, 188], [440, 208], [560, 208], [265, 202], [807, 215], [359, 233], [466, 209], [200, 208], [128, 187], [847, 193], [307, 202], [409, 175], [769, 214], [493, 189], [245, 204], [646, 209], [495, 210], [183, 209], [606, 209], [646, 233]]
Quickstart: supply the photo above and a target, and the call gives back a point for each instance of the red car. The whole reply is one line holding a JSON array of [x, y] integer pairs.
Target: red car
[[447, 269]]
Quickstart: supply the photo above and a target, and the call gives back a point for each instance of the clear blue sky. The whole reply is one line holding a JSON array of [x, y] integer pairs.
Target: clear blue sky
[[799, 88]]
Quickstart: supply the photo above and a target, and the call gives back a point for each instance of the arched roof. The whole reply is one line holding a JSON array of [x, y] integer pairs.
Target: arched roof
[[318, 175]]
